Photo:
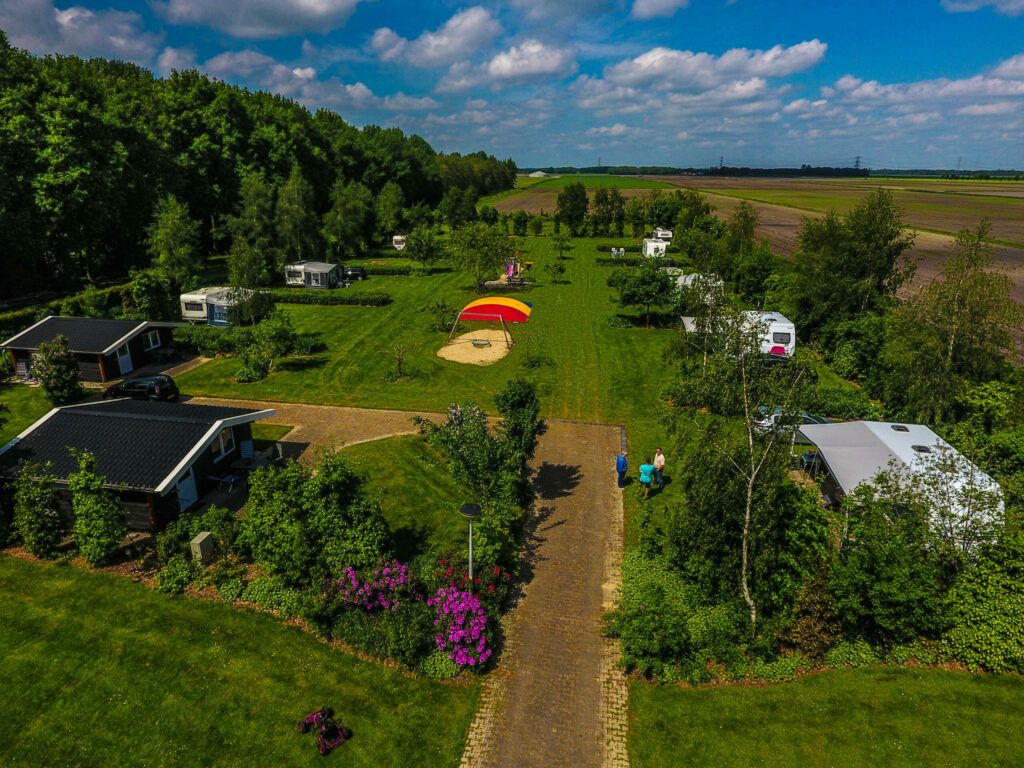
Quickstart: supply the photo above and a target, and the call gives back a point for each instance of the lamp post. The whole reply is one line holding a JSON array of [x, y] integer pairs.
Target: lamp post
[[470, 512]]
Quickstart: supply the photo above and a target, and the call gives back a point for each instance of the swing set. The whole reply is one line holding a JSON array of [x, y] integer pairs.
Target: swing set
[[496, 309]]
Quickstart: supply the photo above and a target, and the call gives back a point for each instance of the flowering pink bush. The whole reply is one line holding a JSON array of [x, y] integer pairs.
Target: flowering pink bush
[[461, 624], [390, 584]]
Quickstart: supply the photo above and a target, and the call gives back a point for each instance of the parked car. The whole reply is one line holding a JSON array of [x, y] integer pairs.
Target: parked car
[[768, 420], [355, 273], [161, 387]]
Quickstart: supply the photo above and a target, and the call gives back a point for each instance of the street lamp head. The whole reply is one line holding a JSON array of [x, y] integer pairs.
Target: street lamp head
[[470, 511]]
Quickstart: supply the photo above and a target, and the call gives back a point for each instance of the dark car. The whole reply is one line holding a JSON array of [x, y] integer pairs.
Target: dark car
[[355, 273], [160, 387]]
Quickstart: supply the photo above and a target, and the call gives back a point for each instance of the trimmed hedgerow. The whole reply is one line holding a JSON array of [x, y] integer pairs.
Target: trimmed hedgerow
[[333, 298]]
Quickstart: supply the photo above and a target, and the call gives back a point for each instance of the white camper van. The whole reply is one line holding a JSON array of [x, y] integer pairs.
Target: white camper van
[[653, 248], [399, 242], [778, 333]]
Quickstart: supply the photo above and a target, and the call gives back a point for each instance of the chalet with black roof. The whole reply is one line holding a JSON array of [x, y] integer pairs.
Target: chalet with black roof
[[105, 349], [160, 458]]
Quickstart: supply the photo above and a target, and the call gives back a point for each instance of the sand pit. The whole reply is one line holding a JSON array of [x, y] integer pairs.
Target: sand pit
[[462, 350]]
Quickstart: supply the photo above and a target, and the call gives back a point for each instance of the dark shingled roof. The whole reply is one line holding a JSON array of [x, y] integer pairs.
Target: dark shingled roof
[[137, 443], [84, 334]]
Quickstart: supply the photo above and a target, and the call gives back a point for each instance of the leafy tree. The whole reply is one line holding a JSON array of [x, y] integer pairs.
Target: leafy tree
[[423, 245], [480, 250], [390, 208], [100, 520], [571, 206], [645, 286], [310, 523], [488, 214], [349, 224], [520, 219], [617, 211], [556, 269], [952, 333], [458, 207], [752, 270], [636, 215], [536, 226], [247, 271], [174, 241], [851, 265], [740, 228], [57, 370], [149, 296], [253, 222], [561, 243], [521, 425], [38, 518], [295, 220], [690, 205], [602, 211]]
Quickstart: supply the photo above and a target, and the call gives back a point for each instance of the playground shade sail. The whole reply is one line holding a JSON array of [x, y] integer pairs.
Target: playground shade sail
[[497, 307]]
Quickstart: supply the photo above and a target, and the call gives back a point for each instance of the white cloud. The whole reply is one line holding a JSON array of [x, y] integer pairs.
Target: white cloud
[[1006, 7], [530, 60], [258, 18], [40, 27], [463, 33], [569, 9], [176, 58], [995, 108], [399, 102], [1012, 68], [323, 55], [667, 68], [650, 9], [619, 129]]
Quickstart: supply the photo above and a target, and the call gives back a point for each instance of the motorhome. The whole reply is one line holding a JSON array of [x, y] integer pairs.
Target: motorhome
[[399, 242]]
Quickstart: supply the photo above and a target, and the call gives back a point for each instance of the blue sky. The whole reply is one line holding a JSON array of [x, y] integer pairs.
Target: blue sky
[[927, 83]]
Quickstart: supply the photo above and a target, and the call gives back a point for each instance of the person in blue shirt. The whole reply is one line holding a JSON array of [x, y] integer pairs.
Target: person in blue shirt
[[622, 467], [646, 472]]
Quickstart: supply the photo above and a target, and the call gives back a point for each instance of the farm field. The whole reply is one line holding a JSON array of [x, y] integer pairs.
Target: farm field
[[543, 196], [841, 719], [99, 670], [523, 182], [595, 180]]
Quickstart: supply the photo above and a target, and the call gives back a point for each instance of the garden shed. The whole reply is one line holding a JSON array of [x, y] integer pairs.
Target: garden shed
[[105, 349], [159, 458]]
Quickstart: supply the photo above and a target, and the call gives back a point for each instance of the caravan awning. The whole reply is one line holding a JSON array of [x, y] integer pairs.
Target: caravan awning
[[852, 451]]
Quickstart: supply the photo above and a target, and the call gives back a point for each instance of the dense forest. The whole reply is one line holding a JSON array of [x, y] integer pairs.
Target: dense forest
[[90, 148]]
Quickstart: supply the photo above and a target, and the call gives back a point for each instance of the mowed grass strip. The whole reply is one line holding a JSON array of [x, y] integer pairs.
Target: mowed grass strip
[[843, 719], [418, 497], [24, 404], [595, 180], [98, 670]]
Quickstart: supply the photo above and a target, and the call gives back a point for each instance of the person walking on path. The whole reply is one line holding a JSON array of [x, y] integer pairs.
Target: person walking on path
[[659, 467], [646, 472], [622, 467]]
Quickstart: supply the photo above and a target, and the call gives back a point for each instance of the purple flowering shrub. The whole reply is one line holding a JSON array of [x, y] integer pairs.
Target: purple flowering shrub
[[388, 586], [461, 626]]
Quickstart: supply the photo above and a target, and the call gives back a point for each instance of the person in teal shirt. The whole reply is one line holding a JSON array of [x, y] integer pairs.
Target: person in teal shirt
[[646, 473]]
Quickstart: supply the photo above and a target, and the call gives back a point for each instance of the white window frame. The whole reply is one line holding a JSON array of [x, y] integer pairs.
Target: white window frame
[[149, 343], [220, 447]]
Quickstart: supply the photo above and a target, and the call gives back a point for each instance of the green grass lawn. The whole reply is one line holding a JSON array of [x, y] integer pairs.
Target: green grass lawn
[[98, 670], [264, 435], [593, 372], [593, 181], [523, 181], [418, 497], [848, 718], [25, 405]]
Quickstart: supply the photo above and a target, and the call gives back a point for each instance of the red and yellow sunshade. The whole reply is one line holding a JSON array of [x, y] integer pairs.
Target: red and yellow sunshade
[[497, 308]]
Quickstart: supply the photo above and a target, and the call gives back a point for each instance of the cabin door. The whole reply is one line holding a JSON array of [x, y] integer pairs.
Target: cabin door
[[187, 495], [124, 359]]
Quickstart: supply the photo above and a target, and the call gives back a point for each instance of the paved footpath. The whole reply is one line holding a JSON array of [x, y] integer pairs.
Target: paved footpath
[[556, 697]]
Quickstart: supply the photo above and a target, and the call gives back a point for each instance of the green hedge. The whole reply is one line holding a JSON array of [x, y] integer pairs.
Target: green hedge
[[333, 298], [406, 269], [105, 302]]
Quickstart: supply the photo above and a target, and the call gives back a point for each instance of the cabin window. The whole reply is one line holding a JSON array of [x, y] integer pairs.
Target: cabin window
[[193, 306], [781, 338], [223, 444], [900, 428], [921, 448], [293, 275], [152, 340]]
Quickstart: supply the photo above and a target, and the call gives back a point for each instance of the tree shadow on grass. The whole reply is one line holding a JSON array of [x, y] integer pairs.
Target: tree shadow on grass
[[295, 364]]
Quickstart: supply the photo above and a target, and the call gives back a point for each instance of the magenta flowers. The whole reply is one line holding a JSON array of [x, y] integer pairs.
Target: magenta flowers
[[389, 585], [461, 625]]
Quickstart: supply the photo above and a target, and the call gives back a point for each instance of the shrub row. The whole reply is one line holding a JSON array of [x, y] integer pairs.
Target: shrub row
[[333, 298], [415, 270], [102, 302]]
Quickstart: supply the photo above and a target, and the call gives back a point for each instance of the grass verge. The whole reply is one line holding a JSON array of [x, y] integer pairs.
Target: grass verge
[[99, 671]]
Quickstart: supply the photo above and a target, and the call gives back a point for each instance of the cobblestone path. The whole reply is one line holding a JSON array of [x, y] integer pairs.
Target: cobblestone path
[[555, 698]]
